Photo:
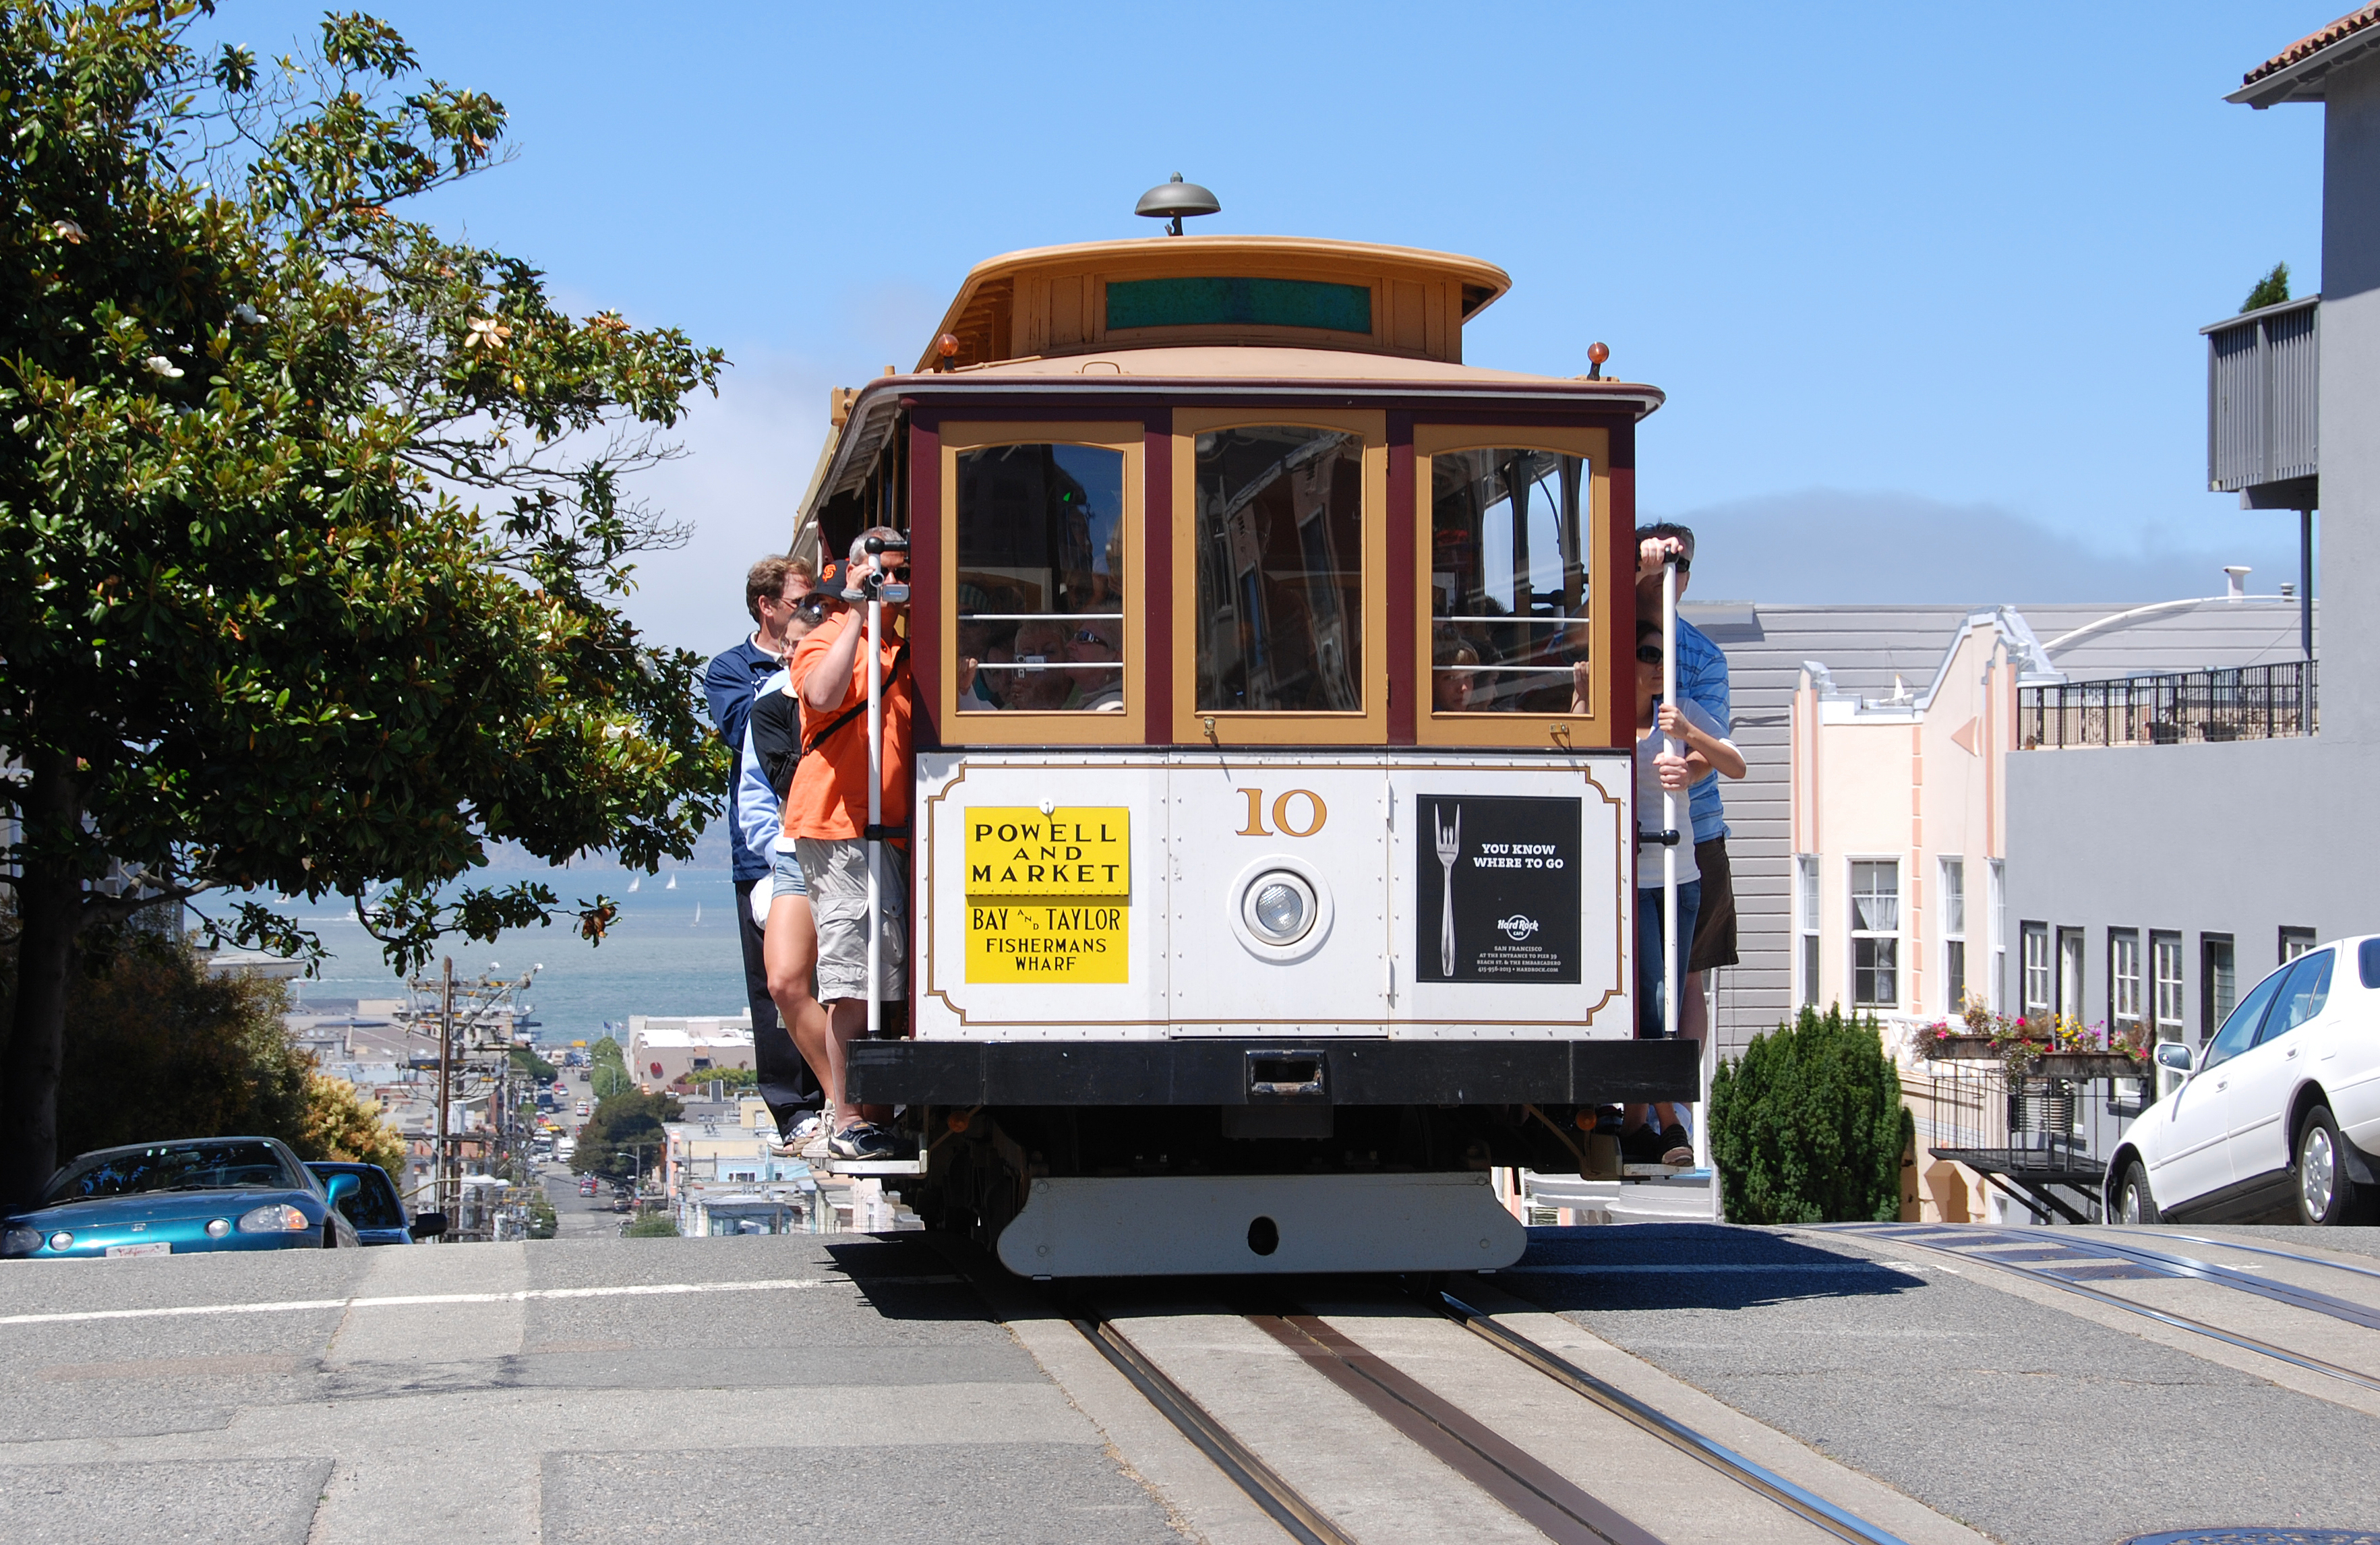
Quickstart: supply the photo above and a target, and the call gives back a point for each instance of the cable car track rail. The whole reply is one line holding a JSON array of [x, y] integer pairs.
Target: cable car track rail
[[1795, 1499], [2183, 1268], [2261, 1250], [2163, 1317], [1280, 1502], [1556, 1506]]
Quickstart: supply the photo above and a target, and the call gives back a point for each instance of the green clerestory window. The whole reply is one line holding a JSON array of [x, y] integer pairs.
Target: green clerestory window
[[1239, 302]]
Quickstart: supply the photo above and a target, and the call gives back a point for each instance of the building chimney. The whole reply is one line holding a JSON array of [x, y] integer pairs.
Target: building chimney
[[2237, 575]]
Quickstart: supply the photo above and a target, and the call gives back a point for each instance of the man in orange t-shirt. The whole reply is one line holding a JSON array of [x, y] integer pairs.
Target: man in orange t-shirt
[[826, 814]]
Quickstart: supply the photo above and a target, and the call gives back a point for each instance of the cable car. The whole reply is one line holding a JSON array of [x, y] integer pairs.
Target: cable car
[[1273, 844]]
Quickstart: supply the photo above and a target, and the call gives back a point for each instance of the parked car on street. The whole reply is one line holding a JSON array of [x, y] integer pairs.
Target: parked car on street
[[240, 1193], [374, 1208], [2279, 1113]]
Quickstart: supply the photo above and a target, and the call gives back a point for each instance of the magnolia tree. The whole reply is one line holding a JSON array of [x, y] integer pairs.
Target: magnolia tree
[[312, 529]]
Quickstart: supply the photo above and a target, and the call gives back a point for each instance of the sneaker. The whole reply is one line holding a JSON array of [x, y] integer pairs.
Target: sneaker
[[1677, 1147], [807, 1129], [864, 1141], [1641, 1146]]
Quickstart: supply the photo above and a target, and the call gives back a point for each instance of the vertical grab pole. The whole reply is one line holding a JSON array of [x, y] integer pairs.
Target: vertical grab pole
[[874, 811], [1670, 805]]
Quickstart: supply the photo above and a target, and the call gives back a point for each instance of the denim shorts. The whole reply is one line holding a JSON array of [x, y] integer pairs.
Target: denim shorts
[[785, 875]]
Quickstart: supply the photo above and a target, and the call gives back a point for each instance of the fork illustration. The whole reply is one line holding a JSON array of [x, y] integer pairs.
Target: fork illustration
[[1450, 848]]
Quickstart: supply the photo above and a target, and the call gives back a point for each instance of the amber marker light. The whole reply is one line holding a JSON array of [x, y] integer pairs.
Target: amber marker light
[[1597, 352], [957, 1121], [947, 346], [1584, 1120]]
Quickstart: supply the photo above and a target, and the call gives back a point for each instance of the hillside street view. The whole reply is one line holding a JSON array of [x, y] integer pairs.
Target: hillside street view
[[1010, 772]]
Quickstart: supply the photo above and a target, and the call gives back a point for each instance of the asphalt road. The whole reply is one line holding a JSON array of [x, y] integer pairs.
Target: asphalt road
[[601, 1389], [2019, 1417], [563, 1390], [576, 1216]]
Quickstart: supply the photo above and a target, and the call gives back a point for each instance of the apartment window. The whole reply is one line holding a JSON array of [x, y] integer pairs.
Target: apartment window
[[1999, 933], [2165, 962], [2218, 982], [1954, 935], [2034, 993], [1805, 898], [2124, 983], [1876, 929], [2294, 943], [2069, 973]]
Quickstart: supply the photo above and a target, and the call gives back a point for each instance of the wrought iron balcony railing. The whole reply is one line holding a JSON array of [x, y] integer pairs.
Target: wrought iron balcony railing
[[2249, 702]]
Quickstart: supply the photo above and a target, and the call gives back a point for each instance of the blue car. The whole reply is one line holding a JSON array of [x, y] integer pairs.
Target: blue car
[[173, 1198], [373, 1206]]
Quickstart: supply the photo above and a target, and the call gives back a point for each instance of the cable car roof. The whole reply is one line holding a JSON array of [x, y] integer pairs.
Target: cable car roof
[[1294, 290], [1195, 317]]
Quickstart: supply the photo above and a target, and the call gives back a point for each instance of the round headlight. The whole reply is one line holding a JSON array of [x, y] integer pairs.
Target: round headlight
[[218, 1227], [20, 1241], [1280, 907], [276, 1218], [62, 1241], [1280, 910]]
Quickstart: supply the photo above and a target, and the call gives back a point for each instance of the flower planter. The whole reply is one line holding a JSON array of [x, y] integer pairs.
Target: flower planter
[[2048, 1064]]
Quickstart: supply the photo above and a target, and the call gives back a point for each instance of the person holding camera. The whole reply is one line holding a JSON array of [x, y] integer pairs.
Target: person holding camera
[[826, 814]]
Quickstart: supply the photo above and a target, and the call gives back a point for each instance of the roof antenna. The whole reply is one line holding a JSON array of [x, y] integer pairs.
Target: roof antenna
[[1171, 200]]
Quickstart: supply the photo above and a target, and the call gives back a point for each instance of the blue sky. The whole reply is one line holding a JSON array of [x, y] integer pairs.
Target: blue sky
[[1940, 269]]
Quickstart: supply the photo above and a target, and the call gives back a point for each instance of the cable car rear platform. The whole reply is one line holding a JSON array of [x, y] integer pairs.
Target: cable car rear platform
[[1273, 1071]]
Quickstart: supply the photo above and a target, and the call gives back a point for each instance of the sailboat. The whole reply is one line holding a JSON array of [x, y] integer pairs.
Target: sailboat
[[698, 916], [634, 881], [672, 884]]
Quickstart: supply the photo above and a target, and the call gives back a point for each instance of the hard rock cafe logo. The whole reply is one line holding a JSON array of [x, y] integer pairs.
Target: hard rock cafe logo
[[1517, 927]]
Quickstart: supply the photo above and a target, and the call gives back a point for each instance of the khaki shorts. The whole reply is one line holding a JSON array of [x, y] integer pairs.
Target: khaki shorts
[[1714, 941], [837, 873]]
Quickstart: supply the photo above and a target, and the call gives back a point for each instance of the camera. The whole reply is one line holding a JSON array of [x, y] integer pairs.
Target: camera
[[877, 586]]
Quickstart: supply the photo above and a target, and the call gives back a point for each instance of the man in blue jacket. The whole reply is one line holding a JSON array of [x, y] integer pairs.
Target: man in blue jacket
[[771, 590]]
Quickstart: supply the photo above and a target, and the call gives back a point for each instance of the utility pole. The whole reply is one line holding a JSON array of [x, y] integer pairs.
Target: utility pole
[[445, 1091]]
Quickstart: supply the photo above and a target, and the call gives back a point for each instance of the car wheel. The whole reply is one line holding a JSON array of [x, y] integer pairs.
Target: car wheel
[[2134, 1204], [2326, 1195]]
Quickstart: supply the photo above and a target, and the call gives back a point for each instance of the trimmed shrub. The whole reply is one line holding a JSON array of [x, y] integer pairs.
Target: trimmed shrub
[[1808, 1127]]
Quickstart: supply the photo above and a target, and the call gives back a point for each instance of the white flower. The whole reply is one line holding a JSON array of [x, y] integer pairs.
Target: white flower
[[68, 229], [486, 333], [162, 365], [247, 313]]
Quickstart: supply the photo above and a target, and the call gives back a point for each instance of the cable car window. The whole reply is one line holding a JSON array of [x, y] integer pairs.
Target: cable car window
[[1040, 579], [1280, 559], [1508, 576]]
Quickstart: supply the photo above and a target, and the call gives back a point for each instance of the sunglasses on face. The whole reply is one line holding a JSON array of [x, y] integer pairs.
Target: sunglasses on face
[[1649, 653], [813, 606], [1087, 636]]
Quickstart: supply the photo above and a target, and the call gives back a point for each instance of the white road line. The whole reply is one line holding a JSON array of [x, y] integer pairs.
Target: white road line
[[1590, 1269], [288, 1306]]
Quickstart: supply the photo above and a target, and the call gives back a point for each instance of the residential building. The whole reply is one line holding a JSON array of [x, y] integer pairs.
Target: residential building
[[1898, 760], [2224, 859], [663, 1050]]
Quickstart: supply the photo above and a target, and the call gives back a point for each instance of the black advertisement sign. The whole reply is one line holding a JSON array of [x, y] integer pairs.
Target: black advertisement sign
[[1496, 889]]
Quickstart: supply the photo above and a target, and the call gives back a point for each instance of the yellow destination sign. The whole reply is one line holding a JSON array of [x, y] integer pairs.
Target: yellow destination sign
[[1017, 851], [1048, 897], [1037, 942]]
